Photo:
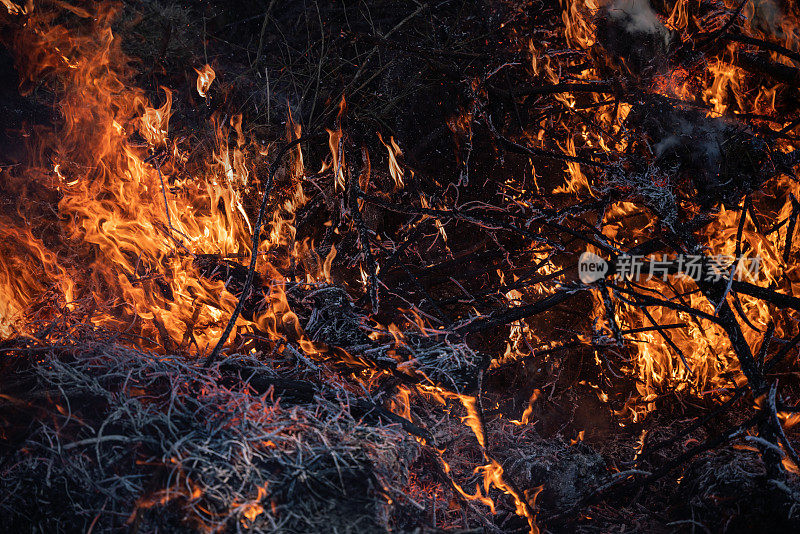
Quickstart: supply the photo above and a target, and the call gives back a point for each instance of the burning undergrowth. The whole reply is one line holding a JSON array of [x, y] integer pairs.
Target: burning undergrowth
[[234, 299], [116, 438]]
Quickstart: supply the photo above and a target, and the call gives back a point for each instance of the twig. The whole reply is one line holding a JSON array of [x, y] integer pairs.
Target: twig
[[668, 339], [567, 87], [261, 34], [782, 353], [766, 45], [736, 255], [154, 159], [254, 251], [728, 404], [787, 248], [778, 427], [388, 43], [725, 27], [353, 194], [513, 314]]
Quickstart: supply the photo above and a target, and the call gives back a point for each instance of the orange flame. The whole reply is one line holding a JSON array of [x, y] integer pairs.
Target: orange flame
[[205, 77]]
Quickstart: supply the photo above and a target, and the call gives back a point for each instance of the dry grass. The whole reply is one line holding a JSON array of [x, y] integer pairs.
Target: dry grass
[[119, 439]]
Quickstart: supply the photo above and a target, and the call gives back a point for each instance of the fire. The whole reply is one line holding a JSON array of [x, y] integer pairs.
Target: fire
[[726, 80], [696, 357], [394, 168], [253, 509], [335, 140], [15, 9], [578, 29], [526, 415], [126, 208], [472, 419], [140, 237], [577, 181], [493, 476], [205, 77], [492, 472]]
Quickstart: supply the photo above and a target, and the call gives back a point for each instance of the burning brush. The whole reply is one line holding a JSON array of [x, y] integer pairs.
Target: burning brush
[[233, 299]]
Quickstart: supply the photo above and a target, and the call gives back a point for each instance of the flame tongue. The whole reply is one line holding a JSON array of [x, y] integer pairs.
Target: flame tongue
[[127, 214], [205, 77]]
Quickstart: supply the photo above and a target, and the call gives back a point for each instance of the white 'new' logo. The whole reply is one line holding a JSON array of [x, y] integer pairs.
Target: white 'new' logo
[[591, 267]]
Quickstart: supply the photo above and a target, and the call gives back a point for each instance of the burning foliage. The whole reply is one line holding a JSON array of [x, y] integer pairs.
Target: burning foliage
[[114, 438], [315, 268]]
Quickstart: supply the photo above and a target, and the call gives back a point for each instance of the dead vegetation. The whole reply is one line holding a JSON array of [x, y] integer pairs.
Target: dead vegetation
[[411, 349], [114, 438]]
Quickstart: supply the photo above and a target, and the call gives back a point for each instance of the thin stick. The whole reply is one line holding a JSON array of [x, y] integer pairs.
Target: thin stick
[[776, 422], [254, 251], [737, 256]]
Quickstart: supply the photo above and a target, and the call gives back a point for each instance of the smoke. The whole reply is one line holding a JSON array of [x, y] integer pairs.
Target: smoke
[[766, 16], [701, 141], [632, 34], [636, 16], [666, 144]]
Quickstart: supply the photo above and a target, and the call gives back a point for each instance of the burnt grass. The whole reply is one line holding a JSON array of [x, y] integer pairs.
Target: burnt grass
[[407, 70]]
